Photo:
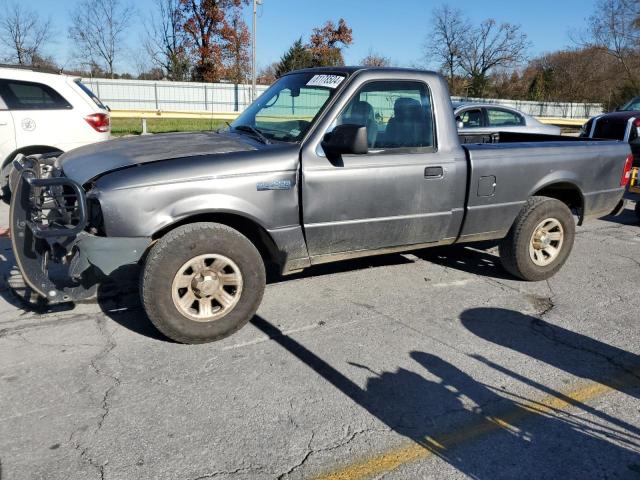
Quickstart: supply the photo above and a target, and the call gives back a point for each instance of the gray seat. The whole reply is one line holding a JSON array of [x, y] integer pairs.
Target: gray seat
[[410, 125], [361, 113]]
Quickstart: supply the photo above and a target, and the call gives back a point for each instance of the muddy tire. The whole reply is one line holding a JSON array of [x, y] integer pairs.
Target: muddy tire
[[202, 282], [539, 241]]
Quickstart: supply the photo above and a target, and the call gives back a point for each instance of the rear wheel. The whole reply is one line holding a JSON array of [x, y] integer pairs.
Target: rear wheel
[[202, 282], [540, 240]]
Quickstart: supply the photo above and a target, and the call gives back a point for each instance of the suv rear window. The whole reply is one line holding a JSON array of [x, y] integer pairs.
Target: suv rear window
[[91, 95], [31, 96]]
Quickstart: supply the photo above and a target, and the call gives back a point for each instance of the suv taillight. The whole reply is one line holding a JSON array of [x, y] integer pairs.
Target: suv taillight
[[626, 173], [99, 121]]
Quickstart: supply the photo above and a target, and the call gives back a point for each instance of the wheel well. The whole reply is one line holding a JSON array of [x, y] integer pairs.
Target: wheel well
[[250, 229], [567, 193], [30, 150]]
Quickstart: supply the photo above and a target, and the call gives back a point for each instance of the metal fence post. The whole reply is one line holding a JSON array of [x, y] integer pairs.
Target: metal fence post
[[155, 91], [236, 100], [206, 99]]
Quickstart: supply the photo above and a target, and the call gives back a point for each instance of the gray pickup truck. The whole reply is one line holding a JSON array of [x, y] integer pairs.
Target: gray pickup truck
[[327, 165]]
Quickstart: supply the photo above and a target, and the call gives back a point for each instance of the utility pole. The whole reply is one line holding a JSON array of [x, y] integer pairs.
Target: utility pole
[[253, 67]]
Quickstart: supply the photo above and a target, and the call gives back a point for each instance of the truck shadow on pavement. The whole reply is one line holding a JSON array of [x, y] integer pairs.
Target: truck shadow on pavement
[[486, 431]]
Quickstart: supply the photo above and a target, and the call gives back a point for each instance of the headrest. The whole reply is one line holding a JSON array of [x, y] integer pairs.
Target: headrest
[[406, 107]]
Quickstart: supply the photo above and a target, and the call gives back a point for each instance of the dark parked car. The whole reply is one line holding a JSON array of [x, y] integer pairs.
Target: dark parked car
[[327, 164], [623, 124]]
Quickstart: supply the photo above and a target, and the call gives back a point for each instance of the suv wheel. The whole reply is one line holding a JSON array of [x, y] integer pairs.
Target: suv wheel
[[202, 282], [539, 241]]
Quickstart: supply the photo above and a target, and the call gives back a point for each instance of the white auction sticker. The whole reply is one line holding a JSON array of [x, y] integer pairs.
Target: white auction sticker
[[329, 81]]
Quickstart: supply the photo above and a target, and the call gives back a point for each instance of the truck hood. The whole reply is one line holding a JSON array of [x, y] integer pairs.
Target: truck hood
[[86, 163]]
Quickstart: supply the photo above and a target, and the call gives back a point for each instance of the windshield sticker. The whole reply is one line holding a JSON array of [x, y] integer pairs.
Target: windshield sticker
[[328, 81]]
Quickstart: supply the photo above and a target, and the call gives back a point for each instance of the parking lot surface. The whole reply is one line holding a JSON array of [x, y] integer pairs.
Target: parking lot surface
[[434, 364]]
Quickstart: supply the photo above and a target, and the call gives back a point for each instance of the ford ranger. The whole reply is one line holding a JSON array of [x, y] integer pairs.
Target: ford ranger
[[328, 164]]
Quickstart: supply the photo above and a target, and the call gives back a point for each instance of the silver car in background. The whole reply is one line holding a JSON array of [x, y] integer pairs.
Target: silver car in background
[[490, 118]]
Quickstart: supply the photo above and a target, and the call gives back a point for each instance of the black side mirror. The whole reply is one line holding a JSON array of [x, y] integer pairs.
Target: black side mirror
[[346, 139], [459, 123]]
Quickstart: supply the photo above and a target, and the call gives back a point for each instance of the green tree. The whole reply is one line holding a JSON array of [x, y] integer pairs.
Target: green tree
[[296, 58]]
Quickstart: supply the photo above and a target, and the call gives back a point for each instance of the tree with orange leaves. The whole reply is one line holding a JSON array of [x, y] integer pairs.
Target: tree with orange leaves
[[327, 43], [208, 32], [235, 48]]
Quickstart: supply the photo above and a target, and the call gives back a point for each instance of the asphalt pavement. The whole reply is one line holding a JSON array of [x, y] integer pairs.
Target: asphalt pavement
[[435, 364]]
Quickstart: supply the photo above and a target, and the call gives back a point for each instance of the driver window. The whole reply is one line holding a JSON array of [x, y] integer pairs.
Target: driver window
[[396, 114], [471, 118]]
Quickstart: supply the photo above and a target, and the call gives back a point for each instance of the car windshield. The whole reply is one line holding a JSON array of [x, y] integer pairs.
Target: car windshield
[[288, 108], [632, 106]]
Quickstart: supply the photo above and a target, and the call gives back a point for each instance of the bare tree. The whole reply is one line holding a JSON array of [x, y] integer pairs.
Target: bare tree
[[445, 43], [488, 47], [98, 28], [374, 59], [165, 40], [23, 33], [614, 28]]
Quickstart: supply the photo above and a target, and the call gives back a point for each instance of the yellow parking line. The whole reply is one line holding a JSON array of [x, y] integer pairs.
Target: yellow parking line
[[393, 459]]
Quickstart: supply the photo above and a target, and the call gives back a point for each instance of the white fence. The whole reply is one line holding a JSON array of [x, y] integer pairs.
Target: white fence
[[226, 97], [171, 96]]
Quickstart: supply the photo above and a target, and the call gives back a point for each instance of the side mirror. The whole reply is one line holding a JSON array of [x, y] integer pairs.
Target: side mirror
[[459, 123], [346, 139]]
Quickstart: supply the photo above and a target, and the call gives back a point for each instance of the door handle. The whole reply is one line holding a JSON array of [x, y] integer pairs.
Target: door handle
[[433, 172], [2, 124]]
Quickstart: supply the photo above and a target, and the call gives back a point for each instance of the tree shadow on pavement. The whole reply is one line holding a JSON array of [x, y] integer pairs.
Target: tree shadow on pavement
[[479, 429], [571, 352]]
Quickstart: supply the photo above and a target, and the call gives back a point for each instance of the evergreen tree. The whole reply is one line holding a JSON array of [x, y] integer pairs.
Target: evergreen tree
[[296, 58]]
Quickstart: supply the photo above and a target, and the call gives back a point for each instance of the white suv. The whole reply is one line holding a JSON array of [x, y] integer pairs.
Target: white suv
[[45, 112]]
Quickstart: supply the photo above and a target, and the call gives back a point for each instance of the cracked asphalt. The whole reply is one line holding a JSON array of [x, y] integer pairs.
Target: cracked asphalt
[[435, 364]]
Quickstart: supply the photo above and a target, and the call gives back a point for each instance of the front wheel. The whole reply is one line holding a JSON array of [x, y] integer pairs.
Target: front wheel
[[202, 282], [540, 240]]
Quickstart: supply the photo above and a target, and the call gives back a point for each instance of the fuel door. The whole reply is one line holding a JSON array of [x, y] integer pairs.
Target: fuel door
[[487, 186]]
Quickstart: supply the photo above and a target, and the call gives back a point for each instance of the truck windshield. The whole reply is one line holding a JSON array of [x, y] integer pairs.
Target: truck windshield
[[288, 108]]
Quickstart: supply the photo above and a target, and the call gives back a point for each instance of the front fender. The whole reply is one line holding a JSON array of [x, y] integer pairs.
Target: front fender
[[143, 211]]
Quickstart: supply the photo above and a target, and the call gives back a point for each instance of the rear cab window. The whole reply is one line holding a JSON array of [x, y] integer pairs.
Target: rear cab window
[[20, 95], [87, 91]]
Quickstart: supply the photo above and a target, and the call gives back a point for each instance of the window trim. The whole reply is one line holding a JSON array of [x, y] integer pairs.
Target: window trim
[[397, 150], [6, 81]]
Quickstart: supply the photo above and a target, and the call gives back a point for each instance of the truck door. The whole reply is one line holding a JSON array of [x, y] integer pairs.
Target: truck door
[[403, 192]]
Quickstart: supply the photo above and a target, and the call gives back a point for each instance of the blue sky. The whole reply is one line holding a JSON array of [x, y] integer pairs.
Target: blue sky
[[396, 29]]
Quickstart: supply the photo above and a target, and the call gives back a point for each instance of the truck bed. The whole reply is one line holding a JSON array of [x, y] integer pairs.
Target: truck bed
[[507, 168]]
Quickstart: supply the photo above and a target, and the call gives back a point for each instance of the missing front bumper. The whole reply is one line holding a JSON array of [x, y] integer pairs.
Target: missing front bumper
[[60, 261]]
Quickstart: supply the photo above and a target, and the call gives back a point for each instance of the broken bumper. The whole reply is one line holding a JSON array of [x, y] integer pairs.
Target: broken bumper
[[58, 258]]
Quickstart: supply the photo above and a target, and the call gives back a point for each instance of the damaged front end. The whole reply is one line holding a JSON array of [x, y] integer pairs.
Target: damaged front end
[[61, 256]]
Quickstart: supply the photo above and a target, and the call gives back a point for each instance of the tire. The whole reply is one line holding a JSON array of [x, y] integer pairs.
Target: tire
[[521, 251], [638, 210], [182, 266]]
